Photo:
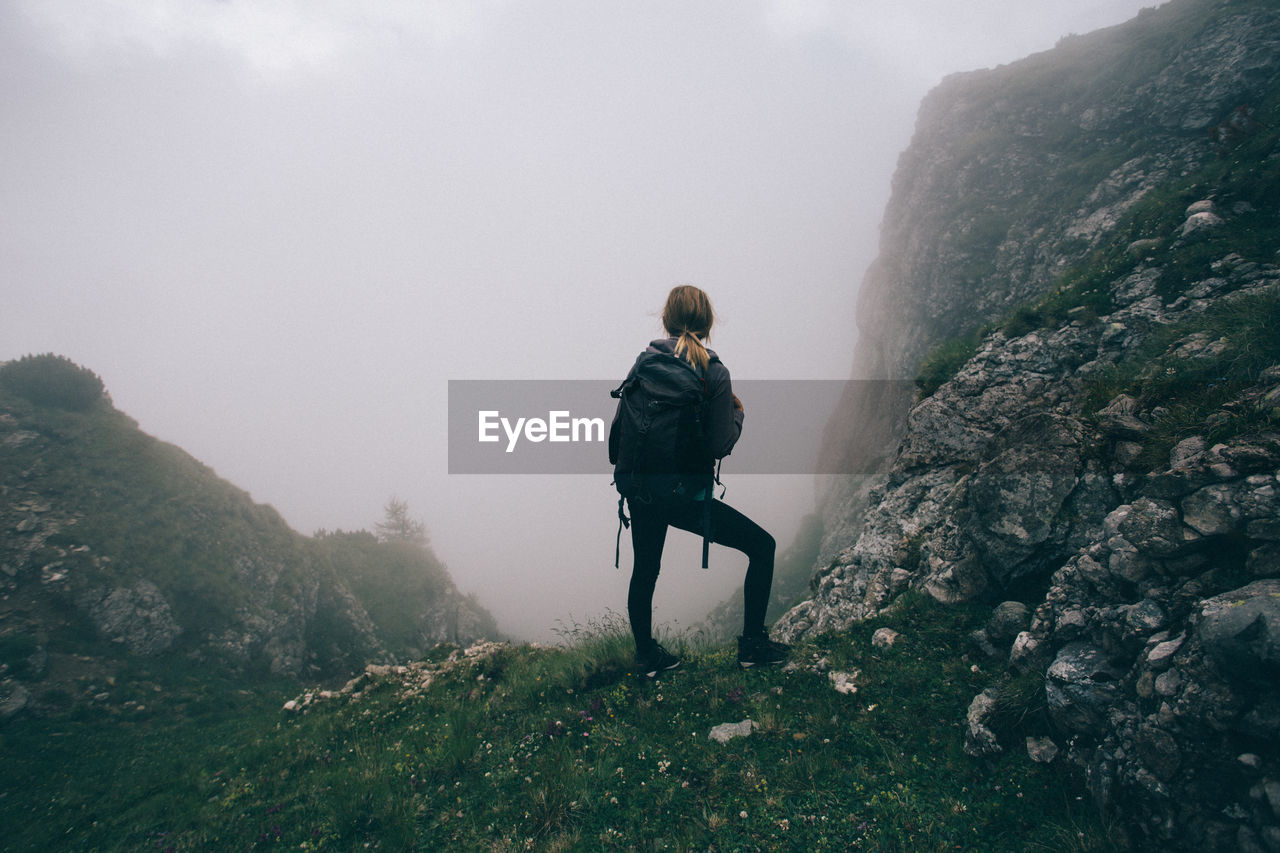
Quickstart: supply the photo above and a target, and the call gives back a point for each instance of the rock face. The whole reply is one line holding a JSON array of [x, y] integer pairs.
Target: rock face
[[1155, 611], [1140, 579], [138, 617], [1019, 173], [1081, 686], [1241, 629]]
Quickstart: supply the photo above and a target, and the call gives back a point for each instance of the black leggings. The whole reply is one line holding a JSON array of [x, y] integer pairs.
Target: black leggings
[[649, 522]]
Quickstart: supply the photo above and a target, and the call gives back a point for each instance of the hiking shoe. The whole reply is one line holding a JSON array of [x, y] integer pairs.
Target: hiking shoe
[[655, 659], [761, 651]]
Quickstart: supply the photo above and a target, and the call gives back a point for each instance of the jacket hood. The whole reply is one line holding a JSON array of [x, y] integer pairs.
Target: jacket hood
[[668, 346]]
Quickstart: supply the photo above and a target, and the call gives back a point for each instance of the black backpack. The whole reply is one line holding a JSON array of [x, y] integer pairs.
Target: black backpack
[[657, 443]]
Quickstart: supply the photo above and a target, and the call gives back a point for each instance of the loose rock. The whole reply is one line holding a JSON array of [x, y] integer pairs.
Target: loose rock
[[1042, 750], [883, 638], [726, 732], [979, 739], [843, 682]]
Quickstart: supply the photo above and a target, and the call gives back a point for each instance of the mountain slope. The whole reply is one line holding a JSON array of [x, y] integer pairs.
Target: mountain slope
[[114, 544], [1081, 261]]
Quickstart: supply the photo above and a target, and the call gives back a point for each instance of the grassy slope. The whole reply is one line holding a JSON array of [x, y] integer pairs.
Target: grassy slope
[[536, 748], [148, 507]]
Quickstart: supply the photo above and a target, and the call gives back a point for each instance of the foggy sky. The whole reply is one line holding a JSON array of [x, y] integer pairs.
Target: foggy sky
[[277, 229]]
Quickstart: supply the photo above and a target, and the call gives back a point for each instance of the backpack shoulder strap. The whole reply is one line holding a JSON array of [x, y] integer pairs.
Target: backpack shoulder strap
[[630, 378]]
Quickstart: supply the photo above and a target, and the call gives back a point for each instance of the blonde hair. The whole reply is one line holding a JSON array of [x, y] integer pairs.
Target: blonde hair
[[688, 317]]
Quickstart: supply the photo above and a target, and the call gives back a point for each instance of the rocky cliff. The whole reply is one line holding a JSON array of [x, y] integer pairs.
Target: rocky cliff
[[116, 548], [1080, 261], [1018, 175]]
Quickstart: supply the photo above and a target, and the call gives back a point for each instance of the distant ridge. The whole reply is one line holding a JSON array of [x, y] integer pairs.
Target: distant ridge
[[117, 546]]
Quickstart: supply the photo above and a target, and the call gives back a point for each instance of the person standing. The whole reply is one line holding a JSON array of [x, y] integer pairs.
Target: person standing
[[686, 500]]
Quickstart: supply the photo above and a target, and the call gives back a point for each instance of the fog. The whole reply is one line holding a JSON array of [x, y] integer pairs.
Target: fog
[[278, 229]]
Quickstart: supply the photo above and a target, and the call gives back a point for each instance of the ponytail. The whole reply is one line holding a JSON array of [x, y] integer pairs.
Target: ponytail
[[692, 350], [688, 317]]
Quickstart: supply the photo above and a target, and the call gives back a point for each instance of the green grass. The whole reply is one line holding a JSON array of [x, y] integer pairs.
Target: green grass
[[559, 749], [1082, 293], [945, 360], [1199, 395]]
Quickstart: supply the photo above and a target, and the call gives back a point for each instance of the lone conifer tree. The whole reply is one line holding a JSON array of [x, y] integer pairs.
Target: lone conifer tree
[[399, 527]]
